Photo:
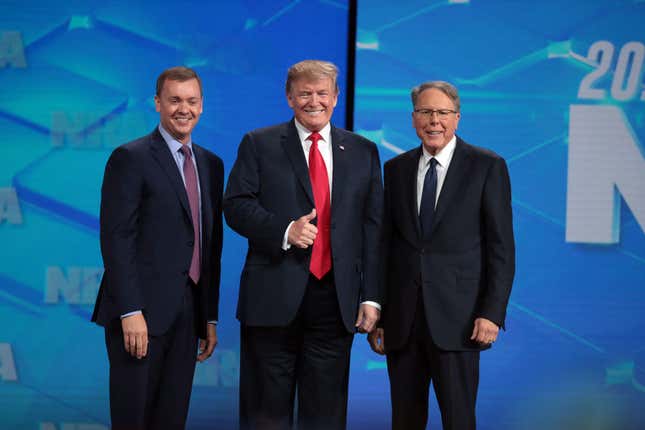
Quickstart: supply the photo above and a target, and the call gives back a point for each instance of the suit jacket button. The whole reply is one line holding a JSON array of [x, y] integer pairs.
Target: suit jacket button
[[185, 272], [190, 243]]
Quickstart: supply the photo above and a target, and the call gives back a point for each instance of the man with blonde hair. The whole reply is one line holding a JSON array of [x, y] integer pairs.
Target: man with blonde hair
[[308, 197]]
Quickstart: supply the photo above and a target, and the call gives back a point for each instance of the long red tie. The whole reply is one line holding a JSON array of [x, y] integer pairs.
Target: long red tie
[[190, 178], [321, 254]]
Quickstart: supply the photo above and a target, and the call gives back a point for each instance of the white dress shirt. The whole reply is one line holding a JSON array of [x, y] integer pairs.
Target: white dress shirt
[[174, 146], [444, 157], [324, 147]]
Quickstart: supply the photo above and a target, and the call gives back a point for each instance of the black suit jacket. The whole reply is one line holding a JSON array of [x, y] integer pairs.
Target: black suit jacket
[[268, 187], [465, 270], [147, 234]]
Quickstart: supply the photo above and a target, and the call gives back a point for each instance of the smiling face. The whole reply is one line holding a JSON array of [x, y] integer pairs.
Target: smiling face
[[312, 101], [179, 105], [435, 132]]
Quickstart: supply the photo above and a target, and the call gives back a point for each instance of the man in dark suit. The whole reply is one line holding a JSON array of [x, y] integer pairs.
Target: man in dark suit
[[449, 264], [308, 197], [161, 241]]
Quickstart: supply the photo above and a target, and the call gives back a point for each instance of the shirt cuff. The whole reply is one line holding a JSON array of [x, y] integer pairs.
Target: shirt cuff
[[131, 313], [214, 322], [371, 303], [285, 239]]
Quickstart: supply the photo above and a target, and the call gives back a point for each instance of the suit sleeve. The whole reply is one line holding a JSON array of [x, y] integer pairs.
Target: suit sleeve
[[384, 249], [243, 210], [121, 194], [500, 244], [218, 235], [372, 233]]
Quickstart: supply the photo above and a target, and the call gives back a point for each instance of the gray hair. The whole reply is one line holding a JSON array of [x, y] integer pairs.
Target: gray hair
[[445, 87]]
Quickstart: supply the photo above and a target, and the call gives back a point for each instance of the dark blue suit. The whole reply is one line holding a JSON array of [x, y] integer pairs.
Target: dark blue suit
[[438, 285], [147, 242], [268, 187]]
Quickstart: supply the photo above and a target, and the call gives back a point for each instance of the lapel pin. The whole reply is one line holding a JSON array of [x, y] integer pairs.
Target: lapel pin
[[342, 148]]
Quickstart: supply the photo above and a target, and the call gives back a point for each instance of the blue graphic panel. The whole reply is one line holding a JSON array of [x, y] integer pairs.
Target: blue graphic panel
[[557, 89], [77, 79]]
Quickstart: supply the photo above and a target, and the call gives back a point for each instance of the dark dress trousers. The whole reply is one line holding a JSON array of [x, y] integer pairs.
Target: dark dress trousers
[[437, 285], [296, 330], [147, 244]]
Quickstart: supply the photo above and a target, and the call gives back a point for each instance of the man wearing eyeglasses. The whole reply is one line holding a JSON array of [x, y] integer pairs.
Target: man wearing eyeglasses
[[449, 261]]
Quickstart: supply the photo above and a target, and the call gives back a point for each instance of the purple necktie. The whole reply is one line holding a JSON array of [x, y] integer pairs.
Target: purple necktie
[[190, 179]]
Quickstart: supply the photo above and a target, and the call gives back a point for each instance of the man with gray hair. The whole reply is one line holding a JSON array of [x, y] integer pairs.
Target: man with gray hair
[[309, 199], [449, 261]]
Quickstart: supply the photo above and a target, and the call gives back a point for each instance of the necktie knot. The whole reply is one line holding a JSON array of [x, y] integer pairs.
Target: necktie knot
[[186, 151], [433, 163], [314, 137]]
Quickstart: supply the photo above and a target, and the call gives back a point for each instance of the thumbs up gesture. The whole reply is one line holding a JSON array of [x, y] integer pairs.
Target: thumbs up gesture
[[302, 233]]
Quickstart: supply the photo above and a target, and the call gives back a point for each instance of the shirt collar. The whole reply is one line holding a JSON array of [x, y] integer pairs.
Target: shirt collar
[[173, 144], [443, 156], [303, 133]]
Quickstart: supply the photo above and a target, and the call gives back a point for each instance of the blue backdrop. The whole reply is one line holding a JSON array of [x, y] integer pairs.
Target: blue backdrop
[[77, 79], [557, 89], [554, 87]]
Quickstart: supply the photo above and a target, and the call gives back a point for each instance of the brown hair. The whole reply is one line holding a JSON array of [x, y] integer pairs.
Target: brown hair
[[312, 69], [179, 73]]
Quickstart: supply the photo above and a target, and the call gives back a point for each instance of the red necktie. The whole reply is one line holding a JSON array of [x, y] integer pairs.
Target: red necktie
[[190, 179], [321, 254]]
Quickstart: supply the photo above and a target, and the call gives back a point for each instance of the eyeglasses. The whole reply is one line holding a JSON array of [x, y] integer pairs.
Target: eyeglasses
[[427, 113]]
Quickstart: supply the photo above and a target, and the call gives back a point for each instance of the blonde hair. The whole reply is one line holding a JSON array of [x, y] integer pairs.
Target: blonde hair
[[312, 69]]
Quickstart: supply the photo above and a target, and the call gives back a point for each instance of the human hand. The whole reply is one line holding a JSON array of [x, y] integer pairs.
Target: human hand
[[302, 233], [135, 335], [484, 331], [207, 346], [368, 316], [376, 339]]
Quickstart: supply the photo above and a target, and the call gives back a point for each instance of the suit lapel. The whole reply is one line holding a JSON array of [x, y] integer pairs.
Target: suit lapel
[[293, 148], [340, 170], [162, 155], [409, 194], [455, 176]]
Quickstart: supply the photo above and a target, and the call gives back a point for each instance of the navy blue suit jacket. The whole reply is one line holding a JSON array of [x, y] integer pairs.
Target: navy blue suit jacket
[[147, 234], [268, 187], [465, 269]]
